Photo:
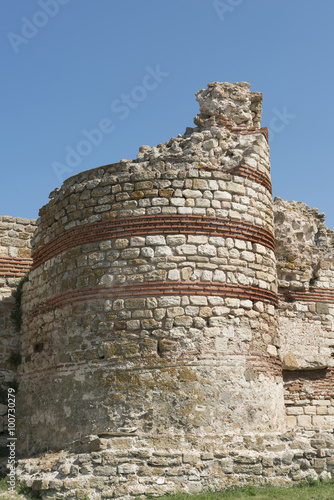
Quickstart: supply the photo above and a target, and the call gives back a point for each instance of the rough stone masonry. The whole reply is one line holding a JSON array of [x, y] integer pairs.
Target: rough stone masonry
[[165, 347]]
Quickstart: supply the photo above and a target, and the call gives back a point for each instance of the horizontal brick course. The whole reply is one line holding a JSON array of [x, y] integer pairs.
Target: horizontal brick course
[[142, 226], [313, 295], [252, 130], [253, 174], [14, 266], [155, 288]]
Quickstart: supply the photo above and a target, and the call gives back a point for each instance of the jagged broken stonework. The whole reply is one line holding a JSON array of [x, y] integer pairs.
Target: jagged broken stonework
[[305, 268], [164, 346]]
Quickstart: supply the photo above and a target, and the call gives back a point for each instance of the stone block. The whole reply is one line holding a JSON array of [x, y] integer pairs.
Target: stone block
[[155, 240], [247, 469], [147, 252], [322, 410], [322, 308], [230, 302], [178, 202], [3, 409], [210, 144], [207, 250], [169, 301], [205, 312], [194, 487], [174, 275], [310, 410], [234, 188], [304, 420], [319, 464], [323, 421], [121, 243], [190, 458], [192, 193], [219, 276], [291, 421], [175, 239], [294, 410], [272, 350], [126, 468], [198, 300], [222, 195], [172, 312]]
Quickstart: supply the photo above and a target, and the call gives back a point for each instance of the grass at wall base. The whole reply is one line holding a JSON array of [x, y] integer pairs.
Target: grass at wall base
[[306, 490]]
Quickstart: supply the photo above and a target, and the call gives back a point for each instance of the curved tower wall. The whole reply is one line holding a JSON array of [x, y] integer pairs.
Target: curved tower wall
[[151, 303]]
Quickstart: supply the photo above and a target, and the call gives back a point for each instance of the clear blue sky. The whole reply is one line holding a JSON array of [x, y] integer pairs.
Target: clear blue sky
[[67, 65]]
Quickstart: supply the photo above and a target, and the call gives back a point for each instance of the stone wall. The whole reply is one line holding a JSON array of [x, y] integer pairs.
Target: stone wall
[[151, 301], [305, 266], [164, 346], [15, 261], [128, 466]]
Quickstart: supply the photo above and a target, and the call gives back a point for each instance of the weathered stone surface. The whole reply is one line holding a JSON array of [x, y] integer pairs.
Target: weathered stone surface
[[290, 362], [150, 323], [15, 260]]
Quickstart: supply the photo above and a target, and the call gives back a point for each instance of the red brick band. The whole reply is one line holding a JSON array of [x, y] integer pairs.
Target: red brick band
[[154, 288], [253, 174], [251, 130], [261, 363], [12, 267], [313, 295], [153, 224], [300, 382]]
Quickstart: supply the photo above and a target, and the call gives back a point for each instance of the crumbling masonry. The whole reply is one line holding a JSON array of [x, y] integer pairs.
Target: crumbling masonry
[[164, 346]]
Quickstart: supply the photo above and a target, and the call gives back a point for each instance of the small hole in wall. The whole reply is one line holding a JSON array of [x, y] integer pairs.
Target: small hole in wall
[[301, 375], [39, 347]]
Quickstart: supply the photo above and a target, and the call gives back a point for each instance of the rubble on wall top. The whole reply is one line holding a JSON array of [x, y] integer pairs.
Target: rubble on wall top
[[234, 104]]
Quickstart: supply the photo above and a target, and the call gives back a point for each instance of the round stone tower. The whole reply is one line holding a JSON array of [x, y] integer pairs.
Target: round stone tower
[[151, 304]]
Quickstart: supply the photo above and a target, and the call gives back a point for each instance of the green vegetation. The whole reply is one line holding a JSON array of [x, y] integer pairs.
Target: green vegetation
[[310, 490], [22, 491], [17, 294], [3, 452], [15, 359], [3, 484]]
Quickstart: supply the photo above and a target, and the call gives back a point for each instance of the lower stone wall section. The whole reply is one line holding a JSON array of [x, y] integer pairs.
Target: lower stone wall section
[[15, 262], [124, 465]]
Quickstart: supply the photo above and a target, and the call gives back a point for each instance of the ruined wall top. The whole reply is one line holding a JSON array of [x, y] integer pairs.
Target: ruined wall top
[[231, 105], [304, 245]]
